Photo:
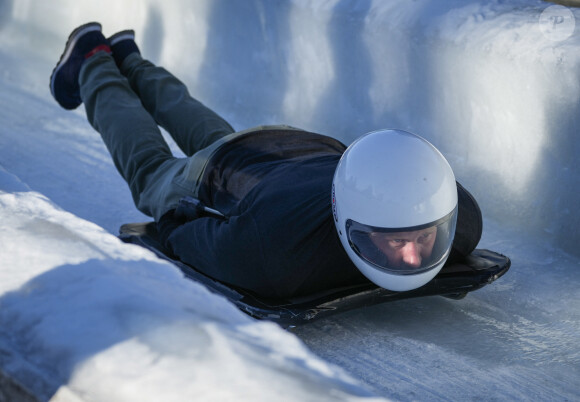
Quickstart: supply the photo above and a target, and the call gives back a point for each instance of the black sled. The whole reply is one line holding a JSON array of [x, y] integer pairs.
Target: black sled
[[454, 281]]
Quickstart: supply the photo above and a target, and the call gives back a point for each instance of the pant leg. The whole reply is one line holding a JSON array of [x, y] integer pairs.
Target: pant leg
[[132, 137], [192, 125]]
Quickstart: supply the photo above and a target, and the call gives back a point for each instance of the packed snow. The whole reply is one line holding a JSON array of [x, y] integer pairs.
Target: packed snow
[[493, 84]]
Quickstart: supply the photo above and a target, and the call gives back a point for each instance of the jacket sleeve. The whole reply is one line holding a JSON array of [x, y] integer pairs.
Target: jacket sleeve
[[227, 250], [166, 225]]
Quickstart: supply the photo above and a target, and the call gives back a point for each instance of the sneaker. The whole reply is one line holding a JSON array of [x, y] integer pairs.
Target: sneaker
[[82, 43], [123, 44]]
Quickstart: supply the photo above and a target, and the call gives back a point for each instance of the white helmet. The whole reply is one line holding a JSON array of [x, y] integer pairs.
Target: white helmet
[[394, 201]]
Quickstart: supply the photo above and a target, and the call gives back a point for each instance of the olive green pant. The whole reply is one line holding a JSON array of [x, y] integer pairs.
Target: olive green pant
[[127, 107]]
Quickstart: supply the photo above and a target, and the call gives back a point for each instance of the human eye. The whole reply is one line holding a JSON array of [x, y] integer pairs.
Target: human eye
[[425, 237], [397, 243]]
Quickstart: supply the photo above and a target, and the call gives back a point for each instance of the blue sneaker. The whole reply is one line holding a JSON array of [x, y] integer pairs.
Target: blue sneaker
[[123, 44], [82, 43]]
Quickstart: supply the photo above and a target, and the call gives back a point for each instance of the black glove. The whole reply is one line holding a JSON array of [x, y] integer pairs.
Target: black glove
[[188, 210], [167, 224]]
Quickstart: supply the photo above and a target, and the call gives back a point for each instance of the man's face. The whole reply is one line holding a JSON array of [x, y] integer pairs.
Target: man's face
[[406, 249]]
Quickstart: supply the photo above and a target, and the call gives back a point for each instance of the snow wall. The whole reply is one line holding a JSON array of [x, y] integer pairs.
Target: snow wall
[[493, 84]]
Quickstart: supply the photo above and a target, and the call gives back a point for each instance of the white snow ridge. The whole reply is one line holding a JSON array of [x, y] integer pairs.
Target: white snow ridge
[[493, 84]]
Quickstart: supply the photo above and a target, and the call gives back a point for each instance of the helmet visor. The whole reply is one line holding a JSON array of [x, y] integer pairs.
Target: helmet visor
[[403, 251]]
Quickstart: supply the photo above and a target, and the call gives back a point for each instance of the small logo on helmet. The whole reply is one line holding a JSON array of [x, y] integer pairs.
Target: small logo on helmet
[[334, 205]]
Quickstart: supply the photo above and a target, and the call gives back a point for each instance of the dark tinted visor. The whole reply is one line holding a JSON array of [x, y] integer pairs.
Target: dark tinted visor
[[403, 251]]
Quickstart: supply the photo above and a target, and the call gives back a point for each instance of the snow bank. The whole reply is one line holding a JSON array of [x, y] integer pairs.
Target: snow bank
[[493, 84], [109, 321]]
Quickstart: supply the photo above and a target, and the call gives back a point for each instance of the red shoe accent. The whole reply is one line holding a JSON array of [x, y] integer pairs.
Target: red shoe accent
[[103, 48]]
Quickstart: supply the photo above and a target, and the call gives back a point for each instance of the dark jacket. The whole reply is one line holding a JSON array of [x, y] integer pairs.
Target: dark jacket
[[278, 238]]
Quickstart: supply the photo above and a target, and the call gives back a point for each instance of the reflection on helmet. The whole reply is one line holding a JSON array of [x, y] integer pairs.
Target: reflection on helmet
[[395, 208]]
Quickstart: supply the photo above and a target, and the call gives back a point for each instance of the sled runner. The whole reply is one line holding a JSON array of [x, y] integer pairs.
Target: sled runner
[[481, 268]]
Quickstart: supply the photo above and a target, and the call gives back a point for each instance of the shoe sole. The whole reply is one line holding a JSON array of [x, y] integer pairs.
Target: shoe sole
[[70, 44]]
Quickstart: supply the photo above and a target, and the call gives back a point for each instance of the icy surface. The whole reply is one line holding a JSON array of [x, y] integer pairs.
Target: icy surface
[[493, 84]]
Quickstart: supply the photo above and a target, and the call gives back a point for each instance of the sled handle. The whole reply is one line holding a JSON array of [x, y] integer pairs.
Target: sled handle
[[198, 206]]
